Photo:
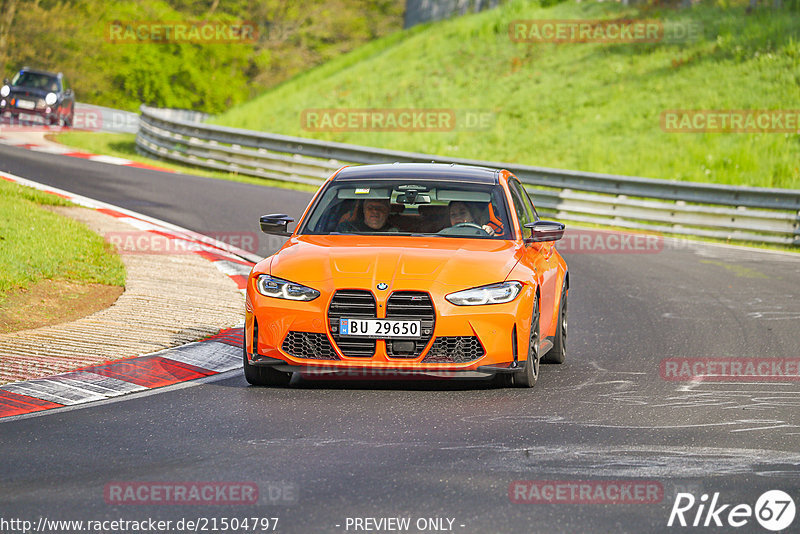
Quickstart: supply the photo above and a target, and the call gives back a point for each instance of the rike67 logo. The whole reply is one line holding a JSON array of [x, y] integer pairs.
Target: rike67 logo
[[774, 510]]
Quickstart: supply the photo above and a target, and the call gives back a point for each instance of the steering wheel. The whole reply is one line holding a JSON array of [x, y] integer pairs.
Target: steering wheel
[[465, 225]]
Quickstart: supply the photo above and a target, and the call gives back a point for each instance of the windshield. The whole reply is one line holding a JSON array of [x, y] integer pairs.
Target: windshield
[[411, 208], [36, 81]]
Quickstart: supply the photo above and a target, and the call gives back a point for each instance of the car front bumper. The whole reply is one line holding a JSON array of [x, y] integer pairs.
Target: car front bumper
[[471, 341], [47, 113]]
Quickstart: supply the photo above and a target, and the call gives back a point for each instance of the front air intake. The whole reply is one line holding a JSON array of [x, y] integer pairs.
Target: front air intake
[[309, 345], [352, 303], [454, 349], [414, 306]]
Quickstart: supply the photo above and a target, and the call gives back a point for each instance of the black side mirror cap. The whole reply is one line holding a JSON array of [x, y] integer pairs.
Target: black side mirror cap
[[275, 224], [545, 231]]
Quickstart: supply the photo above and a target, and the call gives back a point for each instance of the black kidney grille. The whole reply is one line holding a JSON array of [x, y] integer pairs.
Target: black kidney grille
[[416, 306], [352, 303], [454, 349], [309, 345]]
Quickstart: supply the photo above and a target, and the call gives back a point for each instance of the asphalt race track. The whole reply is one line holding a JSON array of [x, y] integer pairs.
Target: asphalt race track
[[322, 452]]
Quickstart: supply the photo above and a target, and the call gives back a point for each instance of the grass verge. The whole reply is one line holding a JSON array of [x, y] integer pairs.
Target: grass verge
[[43, 247], [583, 106]]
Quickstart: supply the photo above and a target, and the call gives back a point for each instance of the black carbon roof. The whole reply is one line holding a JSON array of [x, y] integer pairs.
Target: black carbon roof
[[40, 71], [430, 171]]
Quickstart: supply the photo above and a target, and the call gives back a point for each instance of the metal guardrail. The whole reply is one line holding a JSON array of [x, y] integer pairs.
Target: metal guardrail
[[757, 214]]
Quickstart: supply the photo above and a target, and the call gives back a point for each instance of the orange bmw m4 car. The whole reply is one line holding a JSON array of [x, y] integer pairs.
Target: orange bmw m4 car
[[407, 268]]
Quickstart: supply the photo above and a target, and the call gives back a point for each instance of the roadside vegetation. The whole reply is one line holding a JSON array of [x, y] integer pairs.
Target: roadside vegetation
[[50, 265], [590, 107], [77, 37]]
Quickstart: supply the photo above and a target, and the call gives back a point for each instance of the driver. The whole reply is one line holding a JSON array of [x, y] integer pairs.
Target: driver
[[376, 218], [460, 213]]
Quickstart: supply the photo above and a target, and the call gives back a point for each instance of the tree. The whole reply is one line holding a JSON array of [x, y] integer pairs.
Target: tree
[[7, 10]]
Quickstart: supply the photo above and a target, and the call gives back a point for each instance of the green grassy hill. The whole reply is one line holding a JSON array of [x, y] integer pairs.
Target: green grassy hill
[[592, 107]]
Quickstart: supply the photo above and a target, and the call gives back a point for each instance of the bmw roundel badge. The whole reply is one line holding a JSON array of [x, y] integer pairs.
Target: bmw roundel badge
[[383, 286]]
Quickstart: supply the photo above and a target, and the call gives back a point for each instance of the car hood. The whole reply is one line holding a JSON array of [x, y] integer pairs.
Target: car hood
[[401, 262], [32, 92]]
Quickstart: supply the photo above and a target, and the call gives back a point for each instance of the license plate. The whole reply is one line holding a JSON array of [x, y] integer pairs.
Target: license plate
[[379, 328], [26, 104]]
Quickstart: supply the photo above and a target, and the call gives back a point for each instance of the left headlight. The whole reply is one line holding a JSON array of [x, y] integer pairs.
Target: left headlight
[[270, 286], [5, 91], [50, 99], [491, 294]]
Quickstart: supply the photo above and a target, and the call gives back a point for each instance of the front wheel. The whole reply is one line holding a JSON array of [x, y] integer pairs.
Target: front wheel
[[559, 351], [526, 378], [264, 376]]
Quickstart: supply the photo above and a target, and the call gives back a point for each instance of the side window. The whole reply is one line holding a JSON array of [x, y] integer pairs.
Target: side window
[[522, 205], [528, 202]]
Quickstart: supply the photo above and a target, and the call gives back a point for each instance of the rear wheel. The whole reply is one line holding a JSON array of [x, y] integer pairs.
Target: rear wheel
[[559, 351], [264, 376], [526, 378]]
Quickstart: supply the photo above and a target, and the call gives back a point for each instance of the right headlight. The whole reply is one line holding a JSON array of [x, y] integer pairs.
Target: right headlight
[[5, 91], [278, 288], [491, 294]]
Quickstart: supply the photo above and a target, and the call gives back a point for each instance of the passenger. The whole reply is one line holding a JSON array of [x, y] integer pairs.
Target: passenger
[[375, 219], [461, 212]]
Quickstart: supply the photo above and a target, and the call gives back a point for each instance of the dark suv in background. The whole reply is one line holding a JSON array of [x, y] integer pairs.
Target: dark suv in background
[[38, 92]]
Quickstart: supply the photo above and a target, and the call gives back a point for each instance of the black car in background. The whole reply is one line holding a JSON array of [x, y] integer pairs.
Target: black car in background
[[38, 92]]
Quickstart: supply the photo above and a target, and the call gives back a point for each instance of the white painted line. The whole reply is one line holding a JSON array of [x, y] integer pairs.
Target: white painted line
[[105, 385], [52, 149], [110, 160], [79, 387], [97, 204], [53, 391], [211, 355], [135, 395], [232, 268], [12, 142]]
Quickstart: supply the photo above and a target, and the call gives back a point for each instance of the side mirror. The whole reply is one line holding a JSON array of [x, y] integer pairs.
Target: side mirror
[[6, 81], [68, 92], [545, 231], [275, 224]]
